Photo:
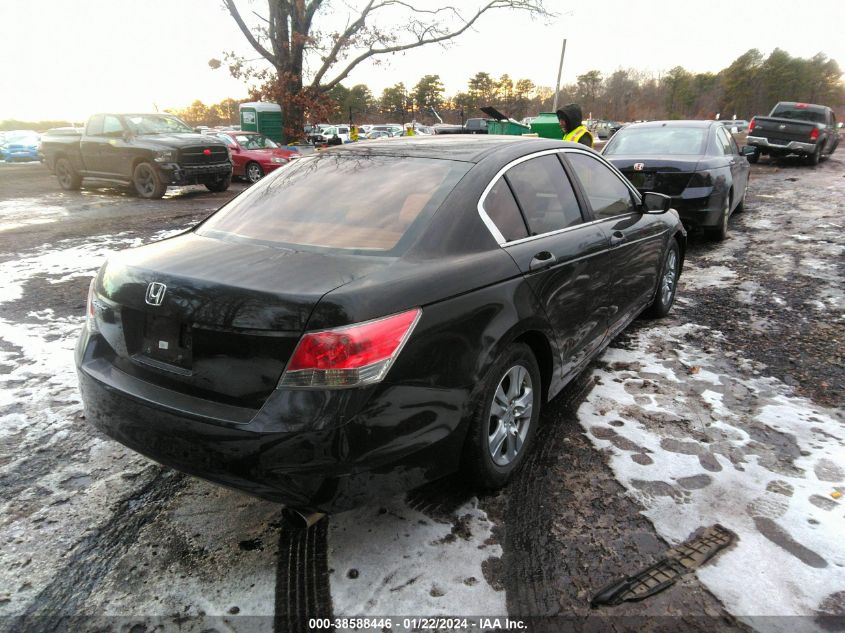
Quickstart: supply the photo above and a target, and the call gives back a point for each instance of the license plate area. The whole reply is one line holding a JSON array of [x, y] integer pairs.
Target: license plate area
[[167, 341]]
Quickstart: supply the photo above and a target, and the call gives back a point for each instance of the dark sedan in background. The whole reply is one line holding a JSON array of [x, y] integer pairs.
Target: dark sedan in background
[[375, 316], [697, 163]]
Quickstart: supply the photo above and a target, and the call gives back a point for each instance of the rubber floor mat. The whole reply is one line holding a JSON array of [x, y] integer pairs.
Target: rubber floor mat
[[679, 560]]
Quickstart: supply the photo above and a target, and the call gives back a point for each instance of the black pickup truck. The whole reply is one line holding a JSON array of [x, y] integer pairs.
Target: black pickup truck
[[150, 151], [805, 129]]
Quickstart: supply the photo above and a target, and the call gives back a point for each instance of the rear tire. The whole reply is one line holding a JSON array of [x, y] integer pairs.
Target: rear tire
[[668, 284], [720, 232], [147, 182], [67, 176], [222, 184], [506, 418], [753, 158], [814, 158], [741, 206]]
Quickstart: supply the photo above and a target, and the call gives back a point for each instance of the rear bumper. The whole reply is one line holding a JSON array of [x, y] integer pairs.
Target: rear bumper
[[174, 174], [314, 450], [699, 211], [793, 147]]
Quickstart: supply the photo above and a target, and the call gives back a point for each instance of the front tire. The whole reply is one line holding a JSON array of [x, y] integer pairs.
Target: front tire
[[254, 172], [506, 418], [219, 185], [67, 176], [147, 182]]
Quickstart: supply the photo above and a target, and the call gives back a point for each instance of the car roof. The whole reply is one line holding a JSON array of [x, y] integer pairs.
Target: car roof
[[468, 148], [679, 123]]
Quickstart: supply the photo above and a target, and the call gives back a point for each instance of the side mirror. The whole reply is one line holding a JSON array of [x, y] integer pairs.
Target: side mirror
[[656, 203], [748, 150], [235, 149]]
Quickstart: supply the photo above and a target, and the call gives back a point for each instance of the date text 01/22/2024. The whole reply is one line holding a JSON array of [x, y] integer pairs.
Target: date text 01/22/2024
[[416, 624]]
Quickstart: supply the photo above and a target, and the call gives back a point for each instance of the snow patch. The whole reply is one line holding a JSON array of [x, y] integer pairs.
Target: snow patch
[[772, 460]]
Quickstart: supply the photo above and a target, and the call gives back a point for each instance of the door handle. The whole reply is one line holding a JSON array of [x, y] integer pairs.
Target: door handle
[[541, 260], [616, 238]]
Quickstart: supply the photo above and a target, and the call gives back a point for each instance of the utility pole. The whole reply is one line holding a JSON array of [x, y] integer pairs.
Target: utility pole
[[559, 71]]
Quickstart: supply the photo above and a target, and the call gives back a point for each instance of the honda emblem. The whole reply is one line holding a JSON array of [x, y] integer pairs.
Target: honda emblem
[[155, 293], [639, 166]]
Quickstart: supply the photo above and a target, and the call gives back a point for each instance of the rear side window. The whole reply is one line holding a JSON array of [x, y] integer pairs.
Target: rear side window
[[544, 194], [357, 203], [608, 195], [501, 207]]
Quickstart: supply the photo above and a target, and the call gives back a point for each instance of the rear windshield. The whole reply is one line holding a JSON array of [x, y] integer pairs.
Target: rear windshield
[[360, 204], [657, 140], [799, 114]]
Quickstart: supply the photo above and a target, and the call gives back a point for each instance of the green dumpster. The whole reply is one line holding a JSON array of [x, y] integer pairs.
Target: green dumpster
[[507, 126], [266, 118], [546, 125]]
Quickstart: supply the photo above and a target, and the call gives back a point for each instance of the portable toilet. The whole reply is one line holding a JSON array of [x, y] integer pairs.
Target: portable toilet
[[546, 125], [266, 118]]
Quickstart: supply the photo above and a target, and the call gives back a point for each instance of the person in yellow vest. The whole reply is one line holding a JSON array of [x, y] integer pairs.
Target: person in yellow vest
[[570, 119]]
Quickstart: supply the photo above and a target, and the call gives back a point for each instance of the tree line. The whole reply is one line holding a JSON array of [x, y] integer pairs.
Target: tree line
[[750, 85]]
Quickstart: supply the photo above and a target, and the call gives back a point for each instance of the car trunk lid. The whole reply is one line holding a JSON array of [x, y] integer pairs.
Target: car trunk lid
[[214, 318], [669, 175]]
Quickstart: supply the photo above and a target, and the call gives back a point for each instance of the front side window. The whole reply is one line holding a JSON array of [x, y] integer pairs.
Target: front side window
[[544, 194], [608, 195], [112, 126], [356, 203]]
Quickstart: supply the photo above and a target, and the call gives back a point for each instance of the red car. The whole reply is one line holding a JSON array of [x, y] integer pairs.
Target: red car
[[255, 155]]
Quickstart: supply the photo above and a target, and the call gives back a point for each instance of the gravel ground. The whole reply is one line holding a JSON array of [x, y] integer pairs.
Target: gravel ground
[[728, 411]]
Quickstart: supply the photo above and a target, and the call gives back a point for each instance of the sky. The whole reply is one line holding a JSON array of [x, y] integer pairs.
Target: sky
[[65, 59]]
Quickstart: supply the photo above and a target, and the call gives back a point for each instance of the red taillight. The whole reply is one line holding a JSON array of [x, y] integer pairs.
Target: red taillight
[[752, 125], [814, 134], [349, 356]]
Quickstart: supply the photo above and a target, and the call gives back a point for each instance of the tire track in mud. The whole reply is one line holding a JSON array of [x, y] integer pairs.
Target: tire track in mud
[[570, 529], [302, 578], [529, 519], [94, 555]]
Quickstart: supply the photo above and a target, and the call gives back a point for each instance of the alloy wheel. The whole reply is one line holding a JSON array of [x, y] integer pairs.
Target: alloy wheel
[[145, 180], [670, 276], [63, 174], [254, 172], [510, 415]]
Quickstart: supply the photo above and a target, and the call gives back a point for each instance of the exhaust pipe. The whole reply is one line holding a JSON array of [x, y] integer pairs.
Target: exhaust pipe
[[301, 519]]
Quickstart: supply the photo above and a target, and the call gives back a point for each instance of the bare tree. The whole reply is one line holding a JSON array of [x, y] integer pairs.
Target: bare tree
[[306, 62]]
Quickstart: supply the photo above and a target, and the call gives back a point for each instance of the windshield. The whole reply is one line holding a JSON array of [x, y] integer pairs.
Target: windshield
[[360, 204], [799, 114], [155, 124], [255, 141], [652, 141]]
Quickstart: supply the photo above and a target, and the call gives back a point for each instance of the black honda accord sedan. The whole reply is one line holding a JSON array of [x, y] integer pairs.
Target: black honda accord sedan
[[374, 317], [697, 163]]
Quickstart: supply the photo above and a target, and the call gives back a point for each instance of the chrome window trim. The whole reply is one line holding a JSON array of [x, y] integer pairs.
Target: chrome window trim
[[497, 234]]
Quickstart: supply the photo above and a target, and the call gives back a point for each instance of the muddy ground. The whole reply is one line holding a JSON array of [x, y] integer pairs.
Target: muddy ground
[[730, 410]]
